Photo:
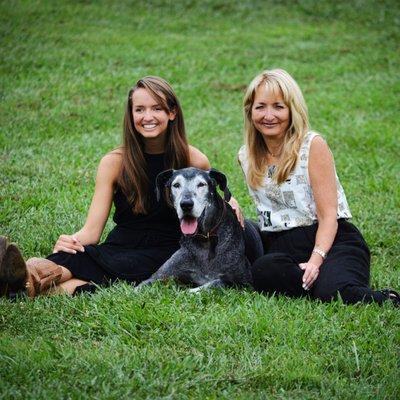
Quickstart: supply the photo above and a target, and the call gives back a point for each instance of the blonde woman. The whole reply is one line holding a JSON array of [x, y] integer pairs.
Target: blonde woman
[[311, 248]]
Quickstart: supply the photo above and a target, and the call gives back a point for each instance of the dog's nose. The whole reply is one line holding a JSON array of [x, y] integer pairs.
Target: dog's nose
[[186, 204]]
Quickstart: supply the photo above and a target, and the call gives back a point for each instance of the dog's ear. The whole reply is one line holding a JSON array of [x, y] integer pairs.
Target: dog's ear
[[221, 180], [162, 181]]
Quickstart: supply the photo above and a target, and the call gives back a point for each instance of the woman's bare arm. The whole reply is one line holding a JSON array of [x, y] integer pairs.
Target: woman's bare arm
[[107, 175]]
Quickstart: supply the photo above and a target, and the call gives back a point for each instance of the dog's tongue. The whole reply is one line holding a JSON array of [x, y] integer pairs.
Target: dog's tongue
[[188, 226]]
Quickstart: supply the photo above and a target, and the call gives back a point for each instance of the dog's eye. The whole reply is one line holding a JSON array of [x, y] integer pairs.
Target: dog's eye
[[201, 184], [176, 185]]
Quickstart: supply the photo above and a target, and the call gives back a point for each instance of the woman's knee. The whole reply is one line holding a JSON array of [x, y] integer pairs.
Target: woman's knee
[[270, 269], [268, 262]]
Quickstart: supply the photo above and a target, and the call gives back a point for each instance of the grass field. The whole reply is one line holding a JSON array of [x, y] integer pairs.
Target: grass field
[[66, 68]]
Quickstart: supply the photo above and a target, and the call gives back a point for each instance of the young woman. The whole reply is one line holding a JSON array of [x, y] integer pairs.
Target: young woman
[[311, 248], [146, 233]]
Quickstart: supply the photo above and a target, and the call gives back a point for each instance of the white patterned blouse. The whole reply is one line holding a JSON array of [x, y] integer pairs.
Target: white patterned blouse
[[290, 204]]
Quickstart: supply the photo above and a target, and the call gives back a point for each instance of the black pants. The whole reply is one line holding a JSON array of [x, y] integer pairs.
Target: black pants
[[346, 269]]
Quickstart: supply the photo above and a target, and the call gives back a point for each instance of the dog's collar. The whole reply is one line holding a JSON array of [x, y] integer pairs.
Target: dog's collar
[[213, 231]]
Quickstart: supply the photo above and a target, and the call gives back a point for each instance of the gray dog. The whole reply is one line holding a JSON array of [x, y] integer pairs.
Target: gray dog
[[212, 244]]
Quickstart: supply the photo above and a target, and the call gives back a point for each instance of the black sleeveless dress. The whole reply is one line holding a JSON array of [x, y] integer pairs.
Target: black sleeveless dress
[[137, 246]]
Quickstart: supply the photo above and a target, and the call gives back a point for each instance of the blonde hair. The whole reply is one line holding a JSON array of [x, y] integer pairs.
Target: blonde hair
[[278, 81]]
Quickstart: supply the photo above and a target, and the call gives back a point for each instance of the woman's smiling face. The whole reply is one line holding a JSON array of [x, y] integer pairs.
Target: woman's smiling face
[[269, 113], [149, 117]]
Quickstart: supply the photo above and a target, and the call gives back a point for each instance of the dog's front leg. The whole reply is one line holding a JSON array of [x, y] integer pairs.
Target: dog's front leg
[[166, 271], [216, 283]]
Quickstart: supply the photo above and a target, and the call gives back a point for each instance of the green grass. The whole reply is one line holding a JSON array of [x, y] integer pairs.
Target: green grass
[[65, 71]]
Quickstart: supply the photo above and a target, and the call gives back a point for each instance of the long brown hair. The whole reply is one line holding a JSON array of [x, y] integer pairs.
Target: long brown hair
[[133, 178], [278, 81]]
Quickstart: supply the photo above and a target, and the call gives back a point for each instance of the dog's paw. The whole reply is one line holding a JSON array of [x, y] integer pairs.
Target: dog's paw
[[138, 288], [196, 290]]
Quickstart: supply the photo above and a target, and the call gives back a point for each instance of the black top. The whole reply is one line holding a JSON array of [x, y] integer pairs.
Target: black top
[[159, 219]]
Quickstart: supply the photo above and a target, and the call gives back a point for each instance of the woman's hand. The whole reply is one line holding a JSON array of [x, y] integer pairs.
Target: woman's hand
[[311, 272], [235, 207], [68, 244]]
